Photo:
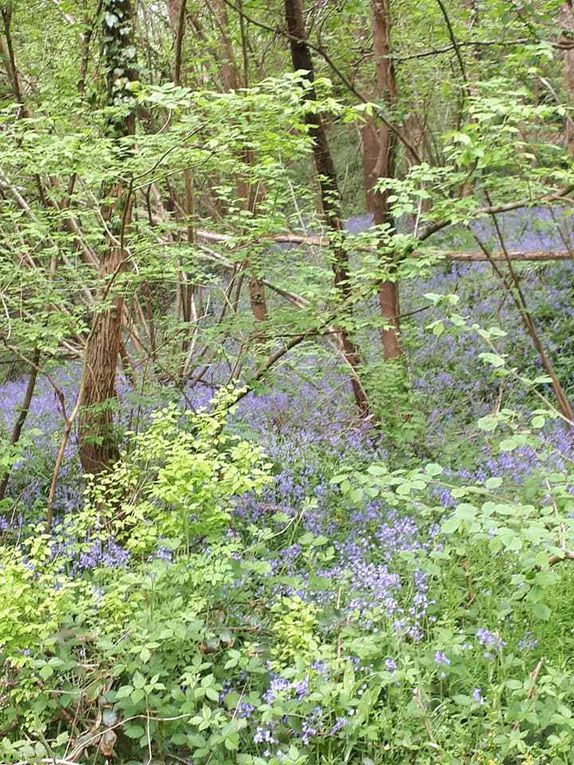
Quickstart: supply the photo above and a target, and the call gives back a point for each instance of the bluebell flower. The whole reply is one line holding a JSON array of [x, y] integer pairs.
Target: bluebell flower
[[441, 659], [340, 723], [477, 696], [490, 640]]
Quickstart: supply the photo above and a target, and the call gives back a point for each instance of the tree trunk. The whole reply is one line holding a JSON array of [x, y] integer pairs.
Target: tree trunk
[[22, 415], [566, 22], [98, 443], [257, 299], [330, 195], [232, 80], [379, 146], [227, 64]]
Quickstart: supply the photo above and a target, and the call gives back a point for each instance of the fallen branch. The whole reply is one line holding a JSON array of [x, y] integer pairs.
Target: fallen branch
[[517, 256], [469, 257]]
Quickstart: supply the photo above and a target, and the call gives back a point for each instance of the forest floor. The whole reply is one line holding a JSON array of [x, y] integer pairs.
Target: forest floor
[[352, 619]]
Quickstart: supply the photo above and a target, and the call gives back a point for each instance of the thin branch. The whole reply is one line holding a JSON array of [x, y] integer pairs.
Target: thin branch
[[454, 41], [179, 42], [467, 44], [10, 60], [433, 228]]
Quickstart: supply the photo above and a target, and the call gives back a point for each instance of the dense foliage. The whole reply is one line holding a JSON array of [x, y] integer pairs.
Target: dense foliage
[[286, 455]]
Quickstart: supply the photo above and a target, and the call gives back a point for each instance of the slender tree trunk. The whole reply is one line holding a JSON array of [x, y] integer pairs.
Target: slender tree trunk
[[566, 22], [185, 299], [256, 287], [177, 11], [98, 444], [22, 415], [257, 299], [330, 195], [232, 80], [379, 147], [227, 63]]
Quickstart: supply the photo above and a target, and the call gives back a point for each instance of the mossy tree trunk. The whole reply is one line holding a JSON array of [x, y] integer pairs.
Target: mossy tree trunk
[[98, 442]]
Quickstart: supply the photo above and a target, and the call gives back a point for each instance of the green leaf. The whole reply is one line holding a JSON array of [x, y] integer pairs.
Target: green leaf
[[541, 611], [493, 359], [46, 672], [212, 694], [451, 525], [488, 423], [133, 730], [145, 654], [231, 742], [137, 695]]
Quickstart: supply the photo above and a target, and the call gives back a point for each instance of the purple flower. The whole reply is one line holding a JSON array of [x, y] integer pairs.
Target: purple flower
[[309, 727], [264, 735], [308, 731], [320, 667], [390, 665], [302, 688], [477, 696], [245, 710], [164, 553], [528, 642], [227, 687], [278, 685], [441, 659], [490, 640], [340, 723], [110, 555]]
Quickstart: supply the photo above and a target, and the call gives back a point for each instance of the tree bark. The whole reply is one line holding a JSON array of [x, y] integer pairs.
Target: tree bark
[[330, 194], [566, 23], [227, 63], [379, 148], [98, 443]]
